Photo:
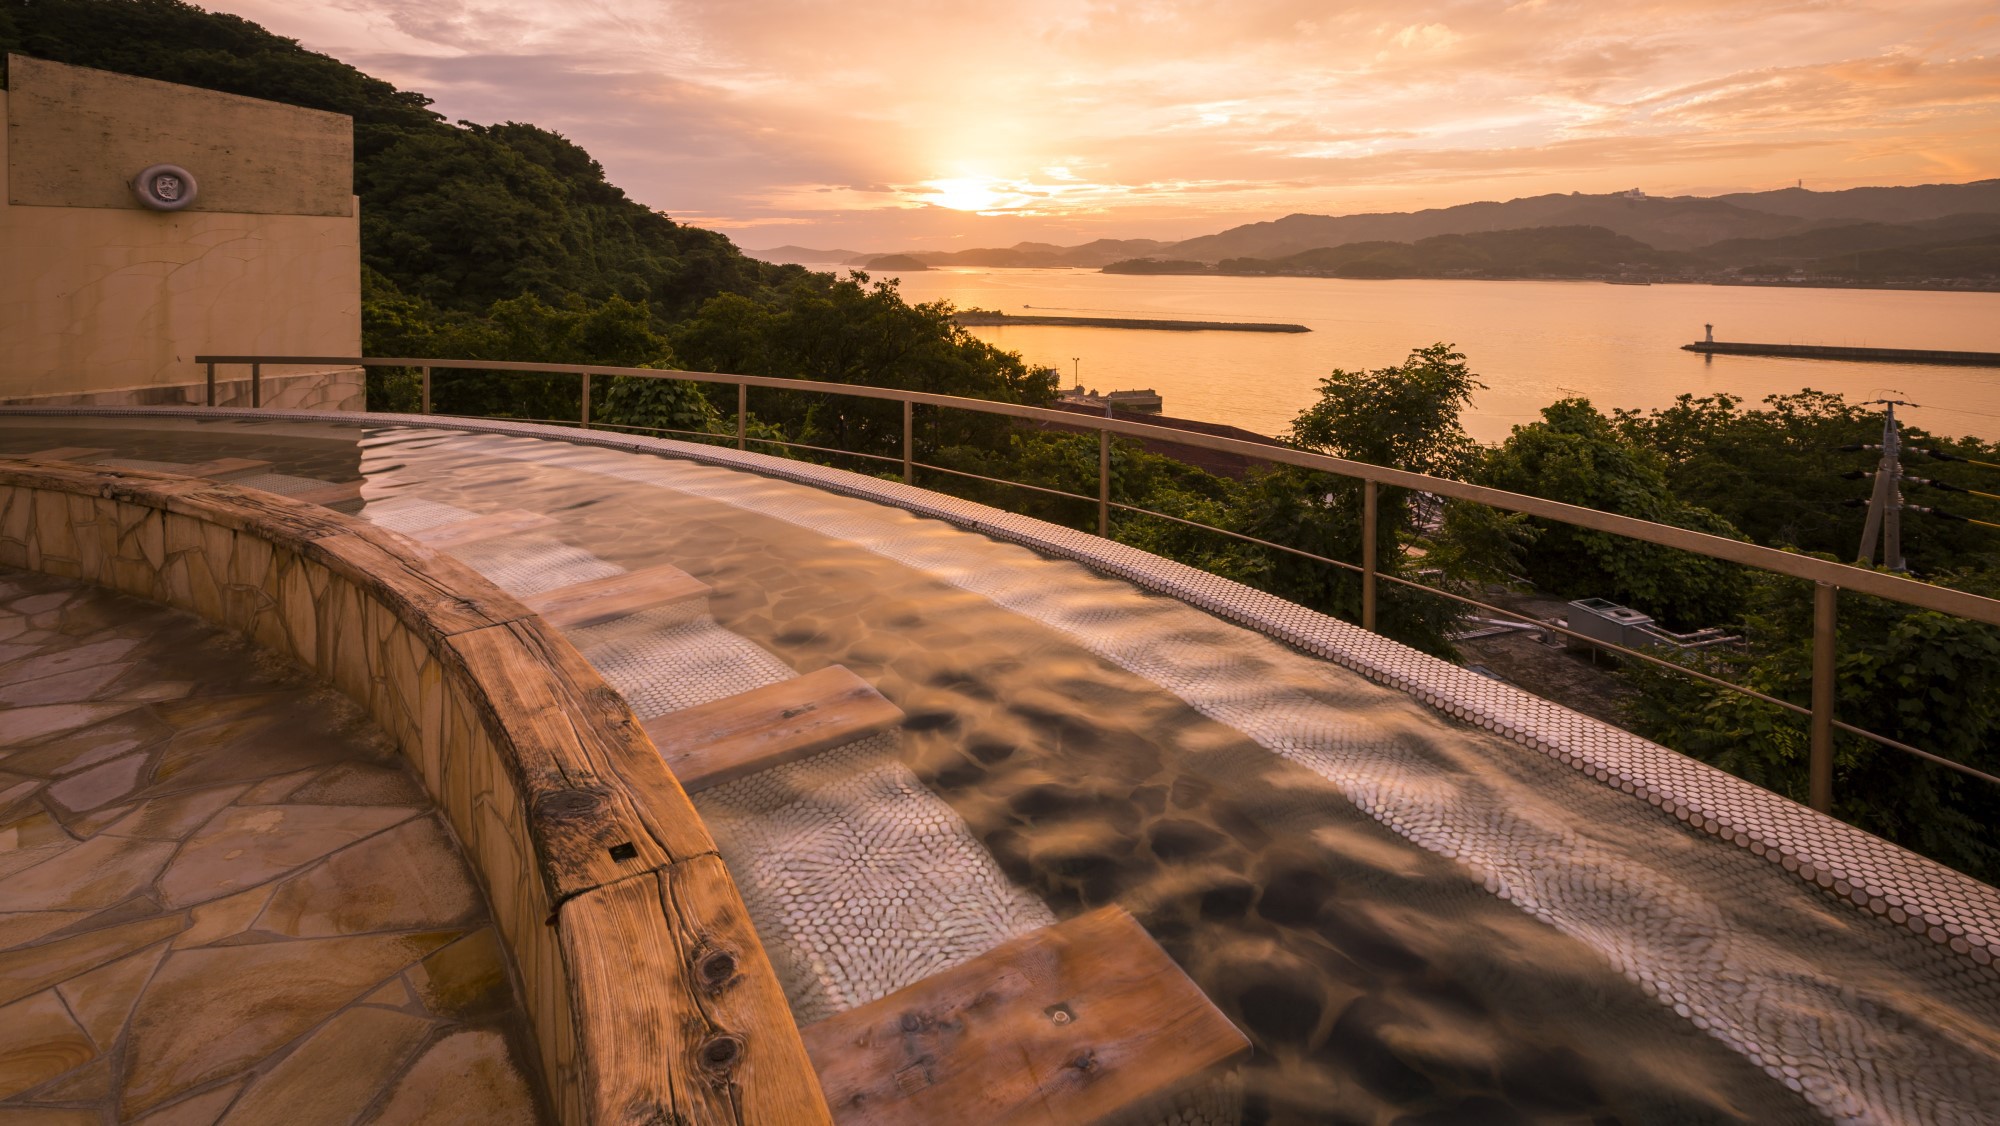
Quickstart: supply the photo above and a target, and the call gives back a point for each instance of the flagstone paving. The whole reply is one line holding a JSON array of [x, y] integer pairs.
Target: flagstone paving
[[223, 897]]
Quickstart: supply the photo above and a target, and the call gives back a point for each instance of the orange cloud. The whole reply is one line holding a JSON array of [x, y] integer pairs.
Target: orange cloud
[[908, 123]]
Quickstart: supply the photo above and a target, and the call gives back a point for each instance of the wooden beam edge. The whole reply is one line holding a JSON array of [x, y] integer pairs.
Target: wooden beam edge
[[678, 1011]]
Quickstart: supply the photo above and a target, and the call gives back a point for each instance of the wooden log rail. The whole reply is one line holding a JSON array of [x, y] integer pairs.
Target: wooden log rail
[[651, 998]]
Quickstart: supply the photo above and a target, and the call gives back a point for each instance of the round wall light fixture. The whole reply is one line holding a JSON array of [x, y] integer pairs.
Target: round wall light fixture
[[165, 187]]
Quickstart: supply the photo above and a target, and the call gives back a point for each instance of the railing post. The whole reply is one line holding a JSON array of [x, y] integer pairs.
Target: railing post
[[742, 415], [586, 400], [909, 455], [426, 369], [1104, 483], [256, 385], [211, 383], [1820, 768], [1368, 521]]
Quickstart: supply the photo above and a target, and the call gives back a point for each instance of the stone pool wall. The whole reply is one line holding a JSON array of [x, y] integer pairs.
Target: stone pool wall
[[650, 995]]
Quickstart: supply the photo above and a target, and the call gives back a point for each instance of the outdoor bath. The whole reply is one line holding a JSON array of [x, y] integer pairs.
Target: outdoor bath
[[1412, 918]]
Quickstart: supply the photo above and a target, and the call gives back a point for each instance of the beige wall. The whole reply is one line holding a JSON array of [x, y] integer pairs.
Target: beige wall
[[76, 137], [105, 299]]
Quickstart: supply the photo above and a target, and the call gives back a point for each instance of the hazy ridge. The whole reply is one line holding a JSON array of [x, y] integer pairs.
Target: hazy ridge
[[1884, 232]]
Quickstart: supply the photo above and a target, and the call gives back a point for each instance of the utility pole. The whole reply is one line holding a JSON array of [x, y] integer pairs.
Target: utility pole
[[1078, 361], [1885, 506]]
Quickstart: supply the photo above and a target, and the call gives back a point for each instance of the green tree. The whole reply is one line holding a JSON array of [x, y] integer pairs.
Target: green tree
[[1406, 417], [1779, 474], [614, 332], [856, 331], [1922, 678], [1575, 455]]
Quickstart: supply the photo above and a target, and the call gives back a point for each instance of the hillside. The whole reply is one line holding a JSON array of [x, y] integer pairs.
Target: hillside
[[1829, 242], [456, 215], [804, 255], [1531, 252], [1538, 252], [1680, 223], [1957, 258], [1964, 248], [1667, 224], [900, 262], [1022, 255], [1882, 205]]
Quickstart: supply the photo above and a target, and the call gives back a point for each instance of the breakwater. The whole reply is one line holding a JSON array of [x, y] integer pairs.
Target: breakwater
[[984, 320], [1831, 352]]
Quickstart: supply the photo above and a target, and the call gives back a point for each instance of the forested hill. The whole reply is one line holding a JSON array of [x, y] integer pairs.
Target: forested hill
[[457, 215]]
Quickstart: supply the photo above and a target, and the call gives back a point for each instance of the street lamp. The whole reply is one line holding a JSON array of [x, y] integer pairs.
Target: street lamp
[[1078, 361]]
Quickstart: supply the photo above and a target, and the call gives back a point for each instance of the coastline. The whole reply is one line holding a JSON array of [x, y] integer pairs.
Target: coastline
[[1967, 286]]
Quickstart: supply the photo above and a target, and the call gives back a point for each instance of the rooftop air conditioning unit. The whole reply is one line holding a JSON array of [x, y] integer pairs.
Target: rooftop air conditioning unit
[[1599, 620]]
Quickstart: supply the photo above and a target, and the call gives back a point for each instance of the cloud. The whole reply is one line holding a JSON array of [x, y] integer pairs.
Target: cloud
[[888, 122]]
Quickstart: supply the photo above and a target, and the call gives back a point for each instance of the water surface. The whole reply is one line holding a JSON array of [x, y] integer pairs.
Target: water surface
[[1413, 920], [1533, 342]]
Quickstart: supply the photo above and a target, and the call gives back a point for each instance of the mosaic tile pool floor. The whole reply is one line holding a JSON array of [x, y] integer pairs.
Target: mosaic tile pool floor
[[223, 897], [1414, 919]]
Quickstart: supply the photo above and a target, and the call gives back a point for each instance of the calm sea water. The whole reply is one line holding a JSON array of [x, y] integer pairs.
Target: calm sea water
[[1531, 342]]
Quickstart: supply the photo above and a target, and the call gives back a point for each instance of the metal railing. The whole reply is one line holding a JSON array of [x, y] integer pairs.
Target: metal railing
[[1829, 578]]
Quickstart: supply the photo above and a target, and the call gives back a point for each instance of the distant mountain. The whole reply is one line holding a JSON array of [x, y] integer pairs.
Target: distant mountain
[[1791, 230], [1954, 251], [1667, 223], [902, 262], [1830, 242], [803, 255], [1977, 258], [1882, 205], [1530, 252], [1102, 252], [1159, 266]]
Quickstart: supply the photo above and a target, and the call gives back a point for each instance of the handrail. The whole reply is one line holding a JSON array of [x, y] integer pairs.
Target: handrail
[[1829, 577], [1846, 576]]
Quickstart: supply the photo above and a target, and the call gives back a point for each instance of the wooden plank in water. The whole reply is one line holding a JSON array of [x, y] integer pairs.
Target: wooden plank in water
[[711, 744], [461, 532], [601, 600], [1069, 1024], [225, 466], [66, 453], [331, 494]]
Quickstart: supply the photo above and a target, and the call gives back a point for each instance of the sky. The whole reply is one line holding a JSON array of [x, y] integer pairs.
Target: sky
[[878, 125]]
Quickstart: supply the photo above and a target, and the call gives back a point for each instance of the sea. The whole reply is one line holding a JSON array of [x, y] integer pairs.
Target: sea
[[1531, 342]]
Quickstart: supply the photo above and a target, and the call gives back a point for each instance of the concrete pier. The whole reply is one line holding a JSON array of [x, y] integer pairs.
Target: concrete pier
[[1829, 352], [1003, 319]]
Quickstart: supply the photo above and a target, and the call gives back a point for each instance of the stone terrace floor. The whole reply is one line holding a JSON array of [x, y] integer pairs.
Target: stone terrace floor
[[223, 897]]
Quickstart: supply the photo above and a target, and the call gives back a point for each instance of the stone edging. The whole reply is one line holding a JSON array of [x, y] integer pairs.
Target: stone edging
[[1948, 907], [649, 992]]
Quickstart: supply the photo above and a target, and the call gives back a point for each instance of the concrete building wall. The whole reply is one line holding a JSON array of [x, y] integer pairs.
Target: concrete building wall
[[103, 300]]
